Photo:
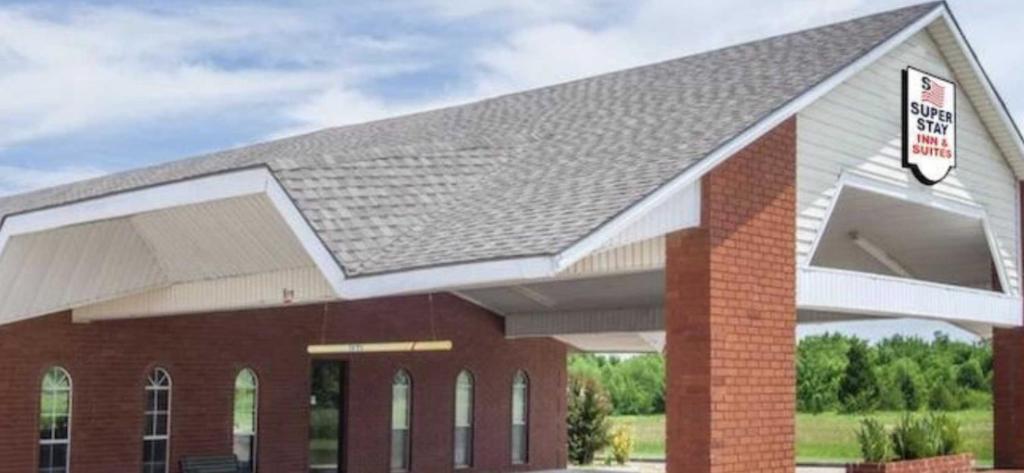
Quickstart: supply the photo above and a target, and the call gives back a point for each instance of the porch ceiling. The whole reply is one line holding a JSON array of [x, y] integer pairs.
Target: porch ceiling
[[928, 243], [642, 289], [81, 265]]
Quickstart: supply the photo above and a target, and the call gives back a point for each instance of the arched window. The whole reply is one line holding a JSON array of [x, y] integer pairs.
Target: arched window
[[246, 407], [401, 410], [520, 418], [464, 420], [156, 437], [55, 421]]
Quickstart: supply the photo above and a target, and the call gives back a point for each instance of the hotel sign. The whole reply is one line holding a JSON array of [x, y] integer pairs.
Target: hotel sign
[[929, 125]]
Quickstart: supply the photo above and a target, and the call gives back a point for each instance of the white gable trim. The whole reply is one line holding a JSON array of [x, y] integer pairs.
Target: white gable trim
[[990, 91]]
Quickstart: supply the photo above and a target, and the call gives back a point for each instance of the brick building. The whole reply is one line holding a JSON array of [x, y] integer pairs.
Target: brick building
[[401, 295]]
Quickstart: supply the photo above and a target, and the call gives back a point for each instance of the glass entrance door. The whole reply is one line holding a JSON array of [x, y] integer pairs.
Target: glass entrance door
[[327, 417]]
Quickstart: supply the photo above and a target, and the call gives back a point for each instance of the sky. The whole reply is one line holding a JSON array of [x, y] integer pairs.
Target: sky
[[88, 88]]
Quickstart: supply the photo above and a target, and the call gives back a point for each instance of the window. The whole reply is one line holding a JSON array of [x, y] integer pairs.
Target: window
[[246, 405], [55, 421], [520, 418], [401, 408], [464, 420], [156, 436]]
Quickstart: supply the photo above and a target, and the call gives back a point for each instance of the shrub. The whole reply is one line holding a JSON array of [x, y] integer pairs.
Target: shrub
[[948, 431], [622, 444], [970, 375], [914, 437], [874, 441], [942, 397], [587, 417]]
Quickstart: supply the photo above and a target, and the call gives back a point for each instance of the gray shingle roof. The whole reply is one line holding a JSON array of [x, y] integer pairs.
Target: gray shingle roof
[[523, 174]]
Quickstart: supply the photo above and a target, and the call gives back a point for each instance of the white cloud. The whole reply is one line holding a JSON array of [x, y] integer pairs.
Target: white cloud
[[15, 179], [88, 67], [66, 70], [345, 106], [554, 51], [520, 10], [555, 41]]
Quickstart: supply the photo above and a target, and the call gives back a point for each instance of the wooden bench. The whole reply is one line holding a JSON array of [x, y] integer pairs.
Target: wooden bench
[[224, 464]]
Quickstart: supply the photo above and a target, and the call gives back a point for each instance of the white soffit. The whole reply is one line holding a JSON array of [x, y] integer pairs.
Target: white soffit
[[56, 270], [167, 238], [616, 342]]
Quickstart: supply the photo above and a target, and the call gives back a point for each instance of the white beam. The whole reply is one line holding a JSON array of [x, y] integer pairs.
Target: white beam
[[880, 255]]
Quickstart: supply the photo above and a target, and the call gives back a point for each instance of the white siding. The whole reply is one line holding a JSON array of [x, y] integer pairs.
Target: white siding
[[856, 129], [834, 291], [258, 290], [635, 257]]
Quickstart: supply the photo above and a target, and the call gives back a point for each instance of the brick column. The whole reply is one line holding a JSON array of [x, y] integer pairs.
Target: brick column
[[1008, 397], [1008, 393], [730, 305]]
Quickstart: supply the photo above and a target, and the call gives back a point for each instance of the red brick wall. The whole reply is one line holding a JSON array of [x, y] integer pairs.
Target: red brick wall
[[948, 464], [731, 317], [108, 362]]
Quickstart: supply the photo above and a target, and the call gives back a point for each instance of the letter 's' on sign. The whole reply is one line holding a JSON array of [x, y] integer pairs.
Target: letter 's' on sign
[[929, 125]]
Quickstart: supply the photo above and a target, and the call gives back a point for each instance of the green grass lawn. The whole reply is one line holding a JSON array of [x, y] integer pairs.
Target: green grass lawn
[[825, 437]]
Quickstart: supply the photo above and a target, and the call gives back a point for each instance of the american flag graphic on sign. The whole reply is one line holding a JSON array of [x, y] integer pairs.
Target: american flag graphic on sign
[[936, 95]]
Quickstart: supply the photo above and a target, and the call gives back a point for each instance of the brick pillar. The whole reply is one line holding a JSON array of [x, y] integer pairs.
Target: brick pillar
[[1008, 397], [730, 301], [1008, 393]]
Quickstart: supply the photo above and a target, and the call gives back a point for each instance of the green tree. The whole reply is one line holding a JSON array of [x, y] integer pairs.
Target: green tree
[[858, 390], [907, 378], [821, 361], [637, 385], [588, 412]]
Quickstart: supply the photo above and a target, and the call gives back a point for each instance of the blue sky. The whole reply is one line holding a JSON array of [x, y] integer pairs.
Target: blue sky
[[88, 88]]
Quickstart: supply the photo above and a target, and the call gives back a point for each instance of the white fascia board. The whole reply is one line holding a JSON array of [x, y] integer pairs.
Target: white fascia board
[[990, 91], [322, 257], [693, 174], [148, 199], [225, 185], [854, 292], [445, 278]]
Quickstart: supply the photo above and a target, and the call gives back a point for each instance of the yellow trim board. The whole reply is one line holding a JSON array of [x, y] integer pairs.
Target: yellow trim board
[[386, 347]]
